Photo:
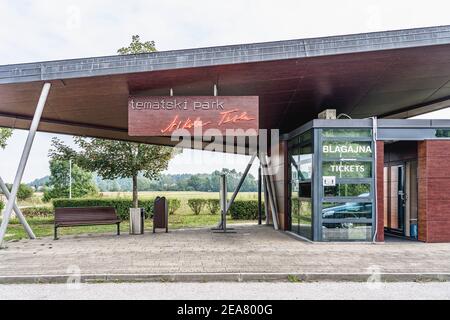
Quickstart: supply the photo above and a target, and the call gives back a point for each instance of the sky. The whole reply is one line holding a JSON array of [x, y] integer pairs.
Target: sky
[[45, 30]]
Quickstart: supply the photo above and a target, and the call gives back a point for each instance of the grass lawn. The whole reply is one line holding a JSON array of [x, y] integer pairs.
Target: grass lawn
[[43, 227], [183, 218]]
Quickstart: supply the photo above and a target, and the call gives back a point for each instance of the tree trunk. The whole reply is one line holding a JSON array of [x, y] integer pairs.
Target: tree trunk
[[135, 192]]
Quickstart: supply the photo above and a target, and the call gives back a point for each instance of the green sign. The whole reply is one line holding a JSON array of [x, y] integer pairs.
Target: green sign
[[347, 149], [347, 169]]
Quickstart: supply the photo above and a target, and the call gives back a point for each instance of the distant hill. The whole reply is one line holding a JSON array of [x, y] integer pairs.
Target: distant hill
[[39, 182]]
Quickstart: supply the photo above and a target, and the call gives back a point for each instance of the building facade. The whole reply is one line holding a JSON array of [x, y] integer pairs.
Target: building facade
[[357, 180]]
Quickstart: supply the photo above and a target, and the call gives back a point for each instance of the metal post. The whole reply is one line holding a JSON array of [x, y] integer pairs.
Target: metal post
[[238, 187], [259, 196], [16, 209], [272, 203], [222, 226], [266, 200], [223, 198], [270, 191], [375, 174], [271, 184], [70, 179], [24, 159]]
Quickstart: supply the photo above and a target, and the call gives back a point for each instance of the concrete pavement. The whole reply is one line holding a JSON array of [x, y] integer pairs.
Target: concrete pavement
[[252, 253], [229, 290]]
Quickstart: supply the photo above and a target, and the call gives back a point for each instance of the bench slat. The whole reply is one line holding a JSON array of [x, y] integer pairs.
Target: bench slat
[[85, 215], [86, 223]]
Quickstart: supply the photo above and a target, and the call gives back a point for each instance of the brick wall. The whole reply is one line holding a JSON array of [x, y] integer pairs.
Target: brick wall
[[380, 190], [434, 190]]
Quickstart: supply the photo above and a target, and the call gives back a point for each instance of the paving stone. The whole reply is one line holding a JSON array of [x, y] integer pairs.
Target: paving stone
[[253, 249]]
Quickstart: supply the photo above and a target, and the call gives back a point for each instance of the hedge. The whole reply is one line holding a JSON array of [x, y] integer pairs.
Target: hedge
[[174, 205], [245, 210], [122, 205], [196, 205], [240, 210], [32, 212], [213, 205]]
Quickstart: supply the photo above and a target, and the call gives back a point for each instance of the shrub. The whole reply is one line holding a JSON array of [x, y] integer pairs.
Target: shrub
[[25, 192], [213, 205], [2, 205], [245, 210], [174, 205], [122, 205], [196, 205], [32, 212]]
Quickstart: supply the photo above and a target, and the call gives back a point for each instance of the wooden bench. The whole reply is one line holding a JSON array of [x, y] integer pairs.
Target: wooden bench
[[88, 216]]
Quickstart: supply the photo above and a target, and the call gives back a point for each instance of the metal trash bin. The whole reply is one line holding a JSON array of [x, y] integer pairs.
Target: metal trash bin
[[137, 220], [161, 214]]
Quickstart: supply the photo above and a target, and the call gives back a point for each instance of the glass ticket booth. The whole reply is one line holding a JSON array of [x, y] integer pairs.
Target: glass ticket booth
[[332, 190], [331, 187]]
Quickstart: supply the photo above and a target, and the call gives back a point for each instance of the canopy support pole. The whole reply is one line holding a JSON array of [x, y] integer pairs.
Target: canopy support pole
[[259, 196], [266, 200], [17, 211], [23, 160], [222, 224], [241, 182]]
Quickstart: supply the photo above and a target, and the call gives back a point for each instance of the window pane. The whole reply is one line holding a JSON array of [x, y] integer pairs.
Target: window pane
[[305, 167], [347, 169], [347, 190], [306, 149], [306, 137], [293, 142], [350, 133], [295, 215], [304, 190], [346, 231], [347, 210], [442, 133], [305, 225], [347, 149]]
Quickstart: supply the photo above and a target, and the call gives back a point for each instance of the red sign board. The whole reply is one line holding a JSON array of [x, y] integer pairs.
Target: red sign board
[[163, 115]]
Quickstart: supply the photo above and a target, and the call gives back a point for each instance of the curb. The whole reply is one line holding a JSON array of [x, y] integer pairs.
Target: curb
[[229, 277]]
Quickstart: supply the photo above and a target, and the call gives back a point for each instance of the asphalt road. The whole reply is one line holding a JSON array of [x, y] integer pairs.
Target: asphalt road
[[225, 291]]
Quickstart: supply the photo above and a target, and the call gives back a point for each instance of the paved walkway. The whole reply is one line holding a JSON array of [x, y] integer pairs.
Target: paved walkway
[[253, 249]]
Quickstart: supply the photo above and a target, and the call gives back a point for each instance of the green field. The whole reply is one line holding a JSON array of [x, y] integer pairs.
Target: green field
[[183, 218]]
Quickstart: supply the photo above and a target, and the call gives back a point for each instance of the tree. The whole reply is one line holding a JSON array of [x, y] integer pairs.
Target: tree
[[195, 182], [59, 183], [136, 46], [4, 135], [115, 159], [118, 159], [115, 187]]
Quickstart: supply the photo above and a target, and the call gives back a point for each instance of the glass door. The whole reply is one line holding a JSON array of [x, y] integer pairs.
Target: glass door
[[300, 193], [401, 198], [396, 199]]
